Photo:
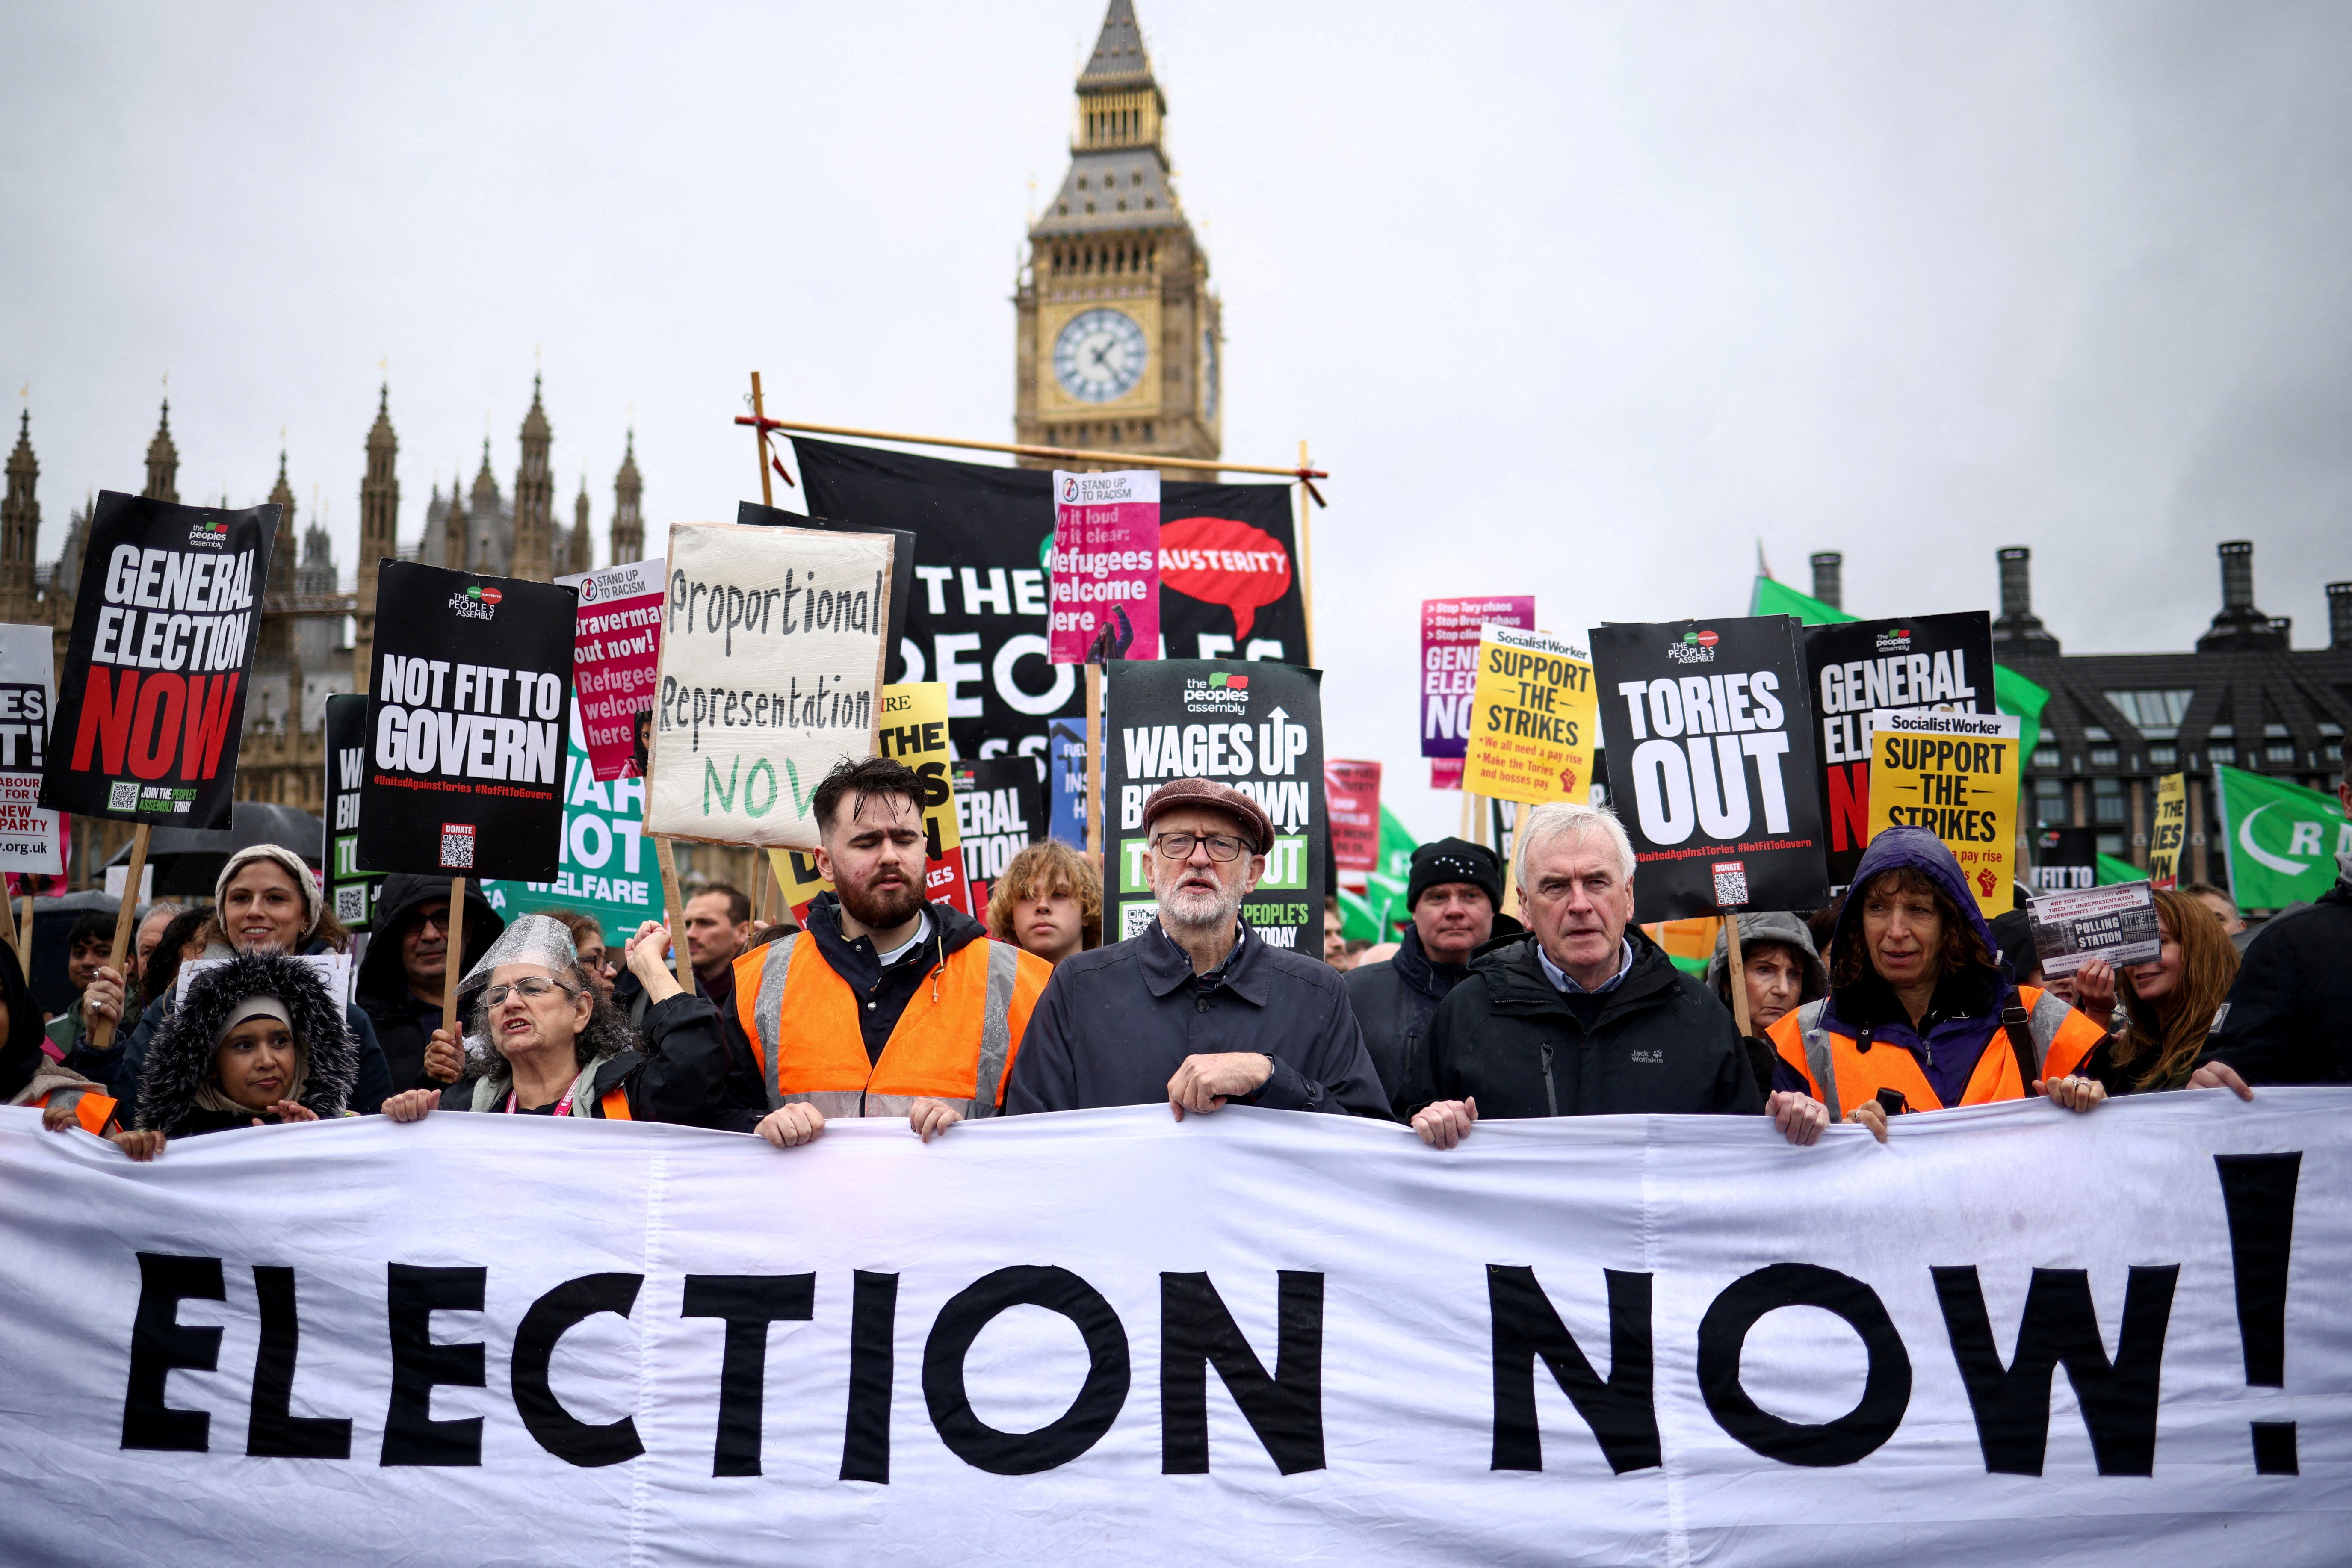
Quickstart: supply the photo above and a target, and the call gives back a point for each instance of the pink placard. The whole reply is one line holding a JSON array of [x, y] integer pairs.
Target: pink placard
[[1351, 791], [616, 655], [1449, 657], [1105, 579]]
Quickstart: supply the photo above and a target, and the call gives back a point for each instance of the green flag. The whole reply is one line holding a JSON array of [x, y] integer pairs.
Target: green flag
[[2011, 692], [2114, 870], [2282, 839], [1371, 914]]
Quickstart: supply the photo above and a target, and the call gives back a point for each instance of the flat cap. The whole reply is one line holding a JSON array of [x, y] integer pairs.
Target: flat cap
[[1257, 829]]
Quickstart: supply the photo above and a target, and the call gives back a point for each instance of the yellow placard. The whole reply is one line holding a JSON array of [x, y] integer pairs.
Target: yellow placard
[[1531, 718], [1954, 775], [914, 730], [2169, 831]]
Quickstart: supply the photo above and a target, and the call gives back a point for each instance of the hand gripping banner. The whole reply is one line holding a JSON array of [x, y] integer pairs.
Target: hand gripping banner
[[2011, 1335]]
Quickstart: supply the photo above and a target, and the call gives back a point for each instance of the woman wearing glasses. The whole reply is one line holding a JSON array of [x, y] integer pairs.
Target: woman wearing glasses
[[408, 962], [542, 1040]]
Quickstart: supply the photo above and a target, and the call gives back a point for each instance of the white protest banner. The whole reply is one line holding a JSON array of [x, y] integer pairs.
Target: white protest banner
[[2117, 923], [770, 673], [31, 840], [2017, 1335]]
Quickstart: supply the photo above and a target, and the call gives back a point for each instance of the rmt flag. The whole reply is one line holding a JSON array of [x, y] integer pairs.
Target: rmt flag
[[152, 700], [468, 711], [1711, 763]]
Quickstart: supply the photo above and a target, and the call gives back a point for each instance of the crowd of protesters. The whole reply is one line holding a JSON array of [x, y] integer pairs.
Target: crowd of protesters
[[1901, 999]]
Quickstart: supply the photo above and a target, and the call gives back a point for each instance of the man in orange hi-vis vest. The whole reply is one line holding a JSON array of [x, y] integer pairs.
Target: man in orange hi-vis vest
[[884, 1004]]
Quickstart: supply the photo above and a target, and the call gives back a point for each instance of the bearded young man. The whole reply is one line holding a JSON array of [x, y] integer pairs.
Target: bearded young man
[[1194, 1010], [884, 1004]]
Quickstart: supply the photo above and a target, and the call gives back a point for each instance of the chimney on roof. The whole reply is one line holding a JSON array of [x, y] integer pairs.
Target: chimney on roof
[[2240, 627], [1829, 574], [2339, 616], [2018, 631]]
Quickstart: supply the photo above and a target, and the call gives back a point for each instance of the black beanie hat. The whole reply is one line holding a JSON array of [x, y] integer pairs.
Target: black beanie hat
[[1455, 860]]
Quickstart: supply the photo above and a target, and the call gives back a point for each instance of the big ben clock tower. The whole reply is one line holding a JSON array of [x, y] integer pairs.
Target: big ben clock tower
[[1118, 337]]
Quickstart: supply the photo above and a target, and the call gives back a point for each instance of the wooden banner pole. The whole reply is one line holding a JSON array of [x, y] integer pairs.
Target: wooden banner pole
[[1739, 972], [760, 441], [1060, 453], [1095, 752], [102, 1035], [452, 967], [675, 907], [1306, 549]]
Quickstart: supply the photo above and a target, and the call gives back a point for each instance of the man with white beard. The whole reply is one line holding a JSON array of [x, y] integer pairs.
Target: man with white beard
[[1194, 1010]]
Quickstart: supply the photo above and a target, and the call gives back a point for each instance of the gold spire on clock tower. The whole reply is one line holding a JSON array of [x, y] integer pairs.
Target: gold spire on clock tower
[[1118, 335]]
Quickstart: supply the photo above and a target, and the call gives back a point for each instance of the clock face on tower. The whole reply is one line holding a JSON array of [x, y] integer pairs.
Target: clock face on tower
[[1099, 356]]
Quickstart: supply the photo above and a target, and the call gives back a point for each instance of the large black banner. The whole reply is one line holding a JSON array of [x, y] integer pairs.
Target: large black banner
[[1855, 668], [977, 618], [1711, 763], [1000, 811], [351, 892], [150, 705], [1257, 727], [468, 708]]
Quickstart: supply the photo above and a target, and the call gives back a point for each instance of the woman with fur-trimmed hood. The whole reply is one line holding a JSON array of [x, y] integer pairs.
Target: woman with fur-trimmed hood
[[257, 1041]]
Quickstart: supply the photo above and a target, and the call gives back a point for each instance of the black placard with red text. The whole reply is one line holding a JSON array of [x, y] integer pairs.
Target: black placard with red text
[[1859, 667], [151, 704]]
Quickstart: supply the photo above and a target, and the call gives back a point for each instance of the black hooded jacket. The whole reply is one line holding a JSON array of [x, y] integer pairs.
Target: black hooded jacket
[[404, 1025], [1395, 1001], [180, 1059], [2289, 1016], [1659, 1043]]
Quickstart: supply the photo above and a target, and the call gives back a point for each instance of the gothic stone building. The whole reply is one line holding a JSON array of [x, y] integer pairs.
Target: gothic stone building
[[1117, 335], [316, 639]]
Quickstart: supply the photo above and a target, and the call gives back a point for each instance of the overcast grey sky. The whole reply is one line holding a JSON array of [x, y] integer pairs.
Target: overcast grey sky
[[1579, 300]]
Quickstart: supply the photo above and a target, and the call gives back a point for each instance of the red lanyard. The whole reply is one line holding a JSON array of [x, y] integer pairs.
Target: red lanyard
[[562, 1107]]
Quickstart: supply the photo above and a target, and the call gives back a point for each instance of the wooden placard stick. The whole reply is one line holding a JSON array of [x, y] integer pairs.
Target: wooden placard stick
[[1738, 973], [760, 440], [456, 948], [675, 908], [8, 928], [1306, 546], [103, 1036], [1095, 749], [1520, 812]]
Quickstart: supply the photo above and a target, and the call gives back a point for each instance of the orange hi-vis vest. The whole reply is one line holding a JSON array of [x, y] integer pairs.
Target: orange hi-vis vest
[[956, 1041], [1841, 1073], [93, 1110]]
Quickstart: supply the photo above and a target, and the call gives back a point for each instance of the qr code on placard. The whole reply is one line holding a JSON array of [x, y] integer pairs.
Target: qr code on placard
[[122, 797], [1730, 882], [350, 904], [457, 846]]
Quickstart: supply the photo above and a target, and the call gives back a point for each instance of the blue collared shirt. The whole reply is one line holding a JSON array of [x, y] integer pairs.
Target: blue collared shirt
[[1561, 980]]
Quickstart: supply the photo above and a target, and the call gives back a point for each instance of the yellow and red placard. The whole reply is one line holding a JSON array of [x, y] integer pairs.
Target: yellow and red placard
[[913, 731], [1531, 718]]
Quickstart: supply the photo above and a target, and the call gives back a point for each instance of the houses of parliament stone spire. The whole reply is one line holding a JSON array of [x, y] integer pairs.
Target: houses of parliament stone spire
[[534, 498], [20, 526], [628, 507], [162, 461], [277, 643], [379, 530], [1118, 335]]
